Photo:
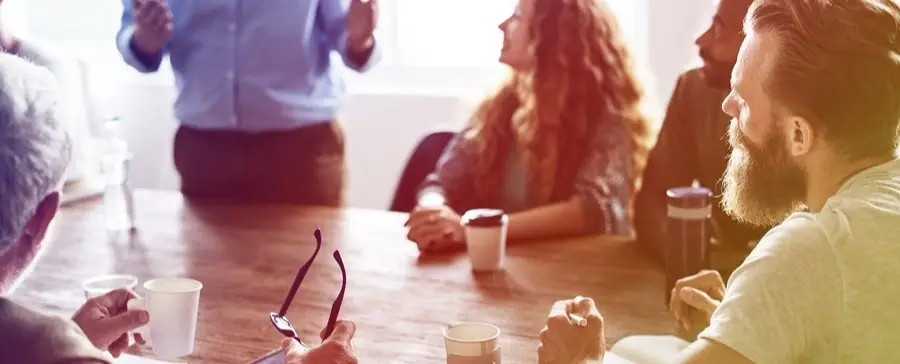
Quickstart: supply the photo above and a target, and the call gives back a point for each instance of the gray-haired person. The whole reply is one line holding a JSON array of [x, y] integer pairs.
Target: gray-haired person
[[34, 154]]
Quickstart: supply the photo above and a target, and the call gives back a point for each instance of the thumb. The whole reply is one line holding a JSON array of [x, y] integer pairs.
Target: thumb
[[125, 322], [698, 299], [343, 333], [292, 346]]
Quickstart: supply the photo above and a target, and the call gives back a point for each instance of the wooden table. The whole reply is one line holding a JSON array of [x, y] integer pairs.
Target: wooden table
[[247, 257]]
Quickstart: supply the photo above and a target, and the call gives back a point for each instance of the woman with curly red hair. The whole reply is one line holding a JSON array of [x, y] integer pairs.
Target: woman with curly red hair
[[559, 146]]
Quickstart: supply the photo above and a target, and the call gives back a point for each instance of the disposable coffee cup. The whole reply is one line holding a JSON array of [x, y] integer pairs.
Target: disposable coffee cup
[[486, 238], [472, 343], [172, 304], [101, 285]]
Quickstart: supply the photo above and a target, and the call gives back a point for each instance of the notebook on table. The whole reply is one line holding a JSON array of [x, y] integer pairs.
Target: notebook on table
[[133, 359], [639, 349], [645, 349]]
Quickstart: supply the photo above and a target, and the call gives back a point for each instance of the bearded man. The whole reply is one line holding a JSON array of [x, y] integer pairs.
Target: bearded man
[[815, 110]]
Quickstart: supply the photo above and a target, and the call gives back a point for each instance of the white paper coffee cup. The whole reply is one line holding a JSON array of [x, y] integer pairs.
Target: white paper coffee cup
[[173, 304], [486, 238], [101, 285], [472, 343]]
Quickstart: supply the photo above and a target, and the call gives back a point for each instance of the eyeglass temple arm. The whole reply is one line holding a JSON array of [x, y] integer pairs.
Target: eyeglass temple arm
[[339, 301], [300, 275]]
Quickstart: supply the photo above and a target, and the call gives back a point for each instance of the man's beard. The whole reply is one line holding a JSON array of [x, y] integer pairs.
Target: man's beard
[[716, 74], [762, 186]]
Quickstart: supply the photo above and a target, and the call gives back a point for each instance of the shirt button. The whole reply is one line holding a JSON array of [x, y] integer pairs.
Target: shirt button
[[229, 75], [231, 27]]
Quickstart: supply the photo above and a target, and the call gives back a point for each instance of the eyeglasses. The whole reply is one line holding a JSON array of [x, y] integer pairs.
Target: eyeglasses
[[280, 321]]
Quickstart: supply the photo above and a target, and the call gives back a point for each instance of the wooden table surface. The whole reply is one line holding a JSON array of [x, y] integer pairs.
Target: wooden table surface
[[247, 257]]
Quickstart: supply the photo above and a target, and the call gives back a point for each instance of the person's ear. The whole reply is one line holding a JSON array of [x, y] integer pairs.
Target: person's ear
[[37, 226], [801, 136]]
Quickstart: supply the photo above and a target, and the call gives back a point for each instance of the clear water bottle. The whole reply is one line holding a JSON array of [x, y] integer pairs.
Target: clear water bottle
[[115, 157]]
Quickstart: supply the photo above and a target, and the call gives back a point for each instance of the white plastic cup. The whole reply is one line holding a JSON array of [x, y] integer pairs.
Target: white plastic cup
[[173, 304], [472, 343], [486, 238], [100, 285]]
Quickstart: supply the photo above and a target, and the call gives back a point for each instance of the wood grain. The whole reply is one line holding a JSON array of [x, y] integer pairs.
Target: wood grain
[[247, 256]]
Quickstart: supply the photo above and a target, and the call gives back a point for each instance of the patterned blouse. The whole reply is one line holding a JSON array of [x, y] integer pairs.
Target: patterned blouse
[[603, 180]]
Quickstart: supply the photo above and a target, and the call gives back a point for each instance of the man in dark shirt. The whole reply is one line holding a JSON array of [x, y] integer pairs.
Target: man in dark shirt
[[691, 145]]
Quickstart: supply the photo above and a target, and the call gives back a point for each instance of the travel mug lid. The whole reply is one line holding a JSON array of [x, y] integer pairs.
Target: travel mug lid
[[484, 218], [689, 203], [689, 192], [688, 196]]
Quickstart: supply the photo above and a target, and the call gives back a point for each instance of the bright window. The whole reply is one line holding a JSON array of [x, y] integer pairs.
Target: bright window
[[426, 41]]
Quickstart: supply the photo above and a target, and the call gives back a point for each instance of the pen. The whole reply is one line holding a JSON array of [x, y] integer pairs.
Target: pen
[[578, 320]]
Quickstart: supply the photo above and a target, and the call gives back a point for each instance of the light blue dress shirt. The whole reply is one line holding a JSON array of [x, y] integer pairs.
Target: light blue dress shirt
[[253, 65]]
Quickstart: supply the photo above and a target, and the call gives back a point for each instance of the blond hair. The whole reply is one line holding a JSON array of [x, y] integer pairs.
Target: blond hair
[[837, 66]]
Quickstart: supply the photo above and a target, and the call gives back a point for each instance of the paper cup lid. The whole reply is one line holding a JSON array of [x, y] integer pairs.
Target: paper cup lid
[[484, 218]]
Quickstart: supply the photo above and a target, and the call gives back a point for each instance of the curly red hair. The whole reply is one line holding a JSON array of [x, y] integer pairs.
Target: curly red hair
[[583, 75]]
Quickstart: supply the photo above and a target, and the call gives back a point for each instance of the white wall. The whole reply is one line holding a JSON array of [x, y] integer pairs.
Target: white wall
[[381, 126]]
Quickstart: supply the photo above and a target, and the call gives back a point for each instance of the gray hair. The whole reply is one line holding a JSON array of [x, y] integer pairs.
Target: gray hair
[[34, 146]]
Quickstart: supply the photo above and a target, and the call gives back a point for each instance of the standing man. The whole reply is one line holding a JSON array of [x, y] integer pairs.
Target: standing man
[[258, 92], [692, 143]]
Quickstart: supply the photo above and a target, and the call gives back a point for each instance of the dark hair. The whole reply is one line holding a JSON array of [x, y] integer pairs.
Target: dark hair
[[838, 67]]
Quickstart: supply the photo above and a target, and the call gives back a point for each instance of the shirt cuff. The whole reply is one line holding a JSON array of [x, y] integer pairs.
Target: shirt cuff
[[141, 64], [374, 56]]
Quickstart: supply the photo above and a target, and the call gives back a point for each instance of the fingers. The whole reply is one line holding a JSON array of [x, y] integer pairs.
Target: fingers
[[587, 308], [153, 14], [698, 299], [442, 246], [559, 316], [128, 321], [677, 307], [118, 346], [160, 18], [292, 347], [293, 351], [560, 308], [117, 298], [581, 306], [707, 281], [426, 233], [343, 333], [584, 306], [547, 348], [422, 216]]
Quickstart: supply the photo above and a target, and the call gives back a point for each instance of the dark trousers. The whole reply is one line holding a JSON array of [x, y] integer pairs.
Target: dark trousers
[[304, 166]]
